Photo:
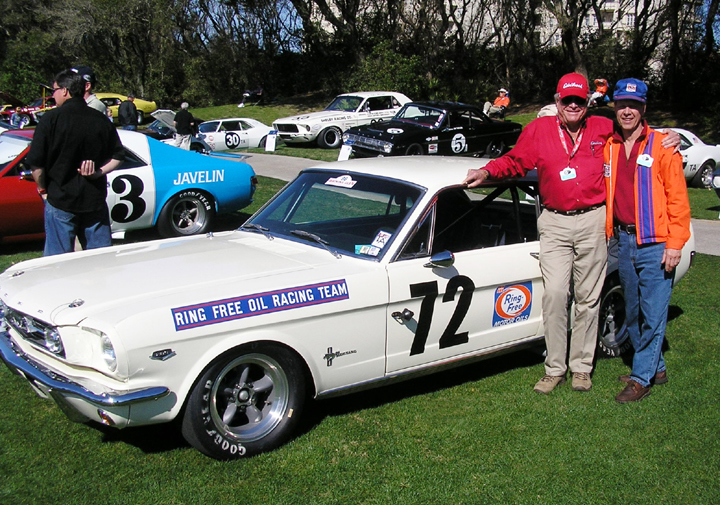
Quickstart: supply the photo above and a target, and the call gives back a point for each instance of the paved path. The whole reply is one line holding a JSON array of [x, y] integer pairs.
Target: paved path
[[707, 232]]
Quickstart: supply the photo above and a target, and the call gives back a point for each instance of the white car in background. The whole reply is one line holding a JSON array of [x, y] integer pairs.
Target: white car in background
[[346, 111], [233, 133], [699, 158]]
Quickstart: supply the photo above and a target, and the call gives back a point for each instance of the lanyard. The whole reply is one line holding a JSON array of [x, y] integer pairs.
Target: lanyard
[[564, 144]]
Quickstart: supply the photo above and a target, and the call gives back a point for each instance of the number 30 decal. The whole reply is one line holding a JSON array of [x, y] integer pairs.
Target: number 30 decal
[[429, 292]]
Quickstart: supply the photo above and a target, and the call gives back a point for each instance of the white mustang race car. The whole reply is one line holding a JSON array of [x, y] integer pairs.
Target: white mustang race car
[[355, 274], [346, 111], [699, 158]]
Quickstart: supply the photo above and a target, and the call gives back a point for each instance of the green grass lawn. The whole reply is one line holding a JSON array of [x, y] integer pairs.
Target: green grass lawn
[[474, 435]]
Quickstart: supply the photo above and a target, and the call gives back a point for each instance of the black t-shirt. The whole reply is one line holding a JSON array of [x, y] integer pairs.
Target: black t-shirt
[[183, 120], [65, 137]]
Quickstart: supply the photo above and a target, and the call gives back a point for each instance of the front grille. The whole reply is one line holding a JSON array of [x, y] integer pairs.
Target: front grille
[[287, 128], [366, 142], [29, 328]]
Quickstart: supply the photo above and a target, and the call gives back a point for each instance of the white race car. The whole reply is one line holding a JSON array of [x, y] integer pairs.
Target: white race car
[[233, 133], [357, 273], [699, 159], [345, 111]]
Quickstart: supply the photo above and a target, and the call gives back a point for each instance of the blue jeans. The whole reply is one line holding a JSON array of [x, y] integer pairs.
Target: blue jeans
[[647, 288], [92, 229]]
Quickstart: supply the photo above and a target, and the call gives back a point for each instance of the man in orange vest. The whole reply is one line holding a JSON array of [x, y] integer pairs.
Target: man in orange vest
[[499, 105]]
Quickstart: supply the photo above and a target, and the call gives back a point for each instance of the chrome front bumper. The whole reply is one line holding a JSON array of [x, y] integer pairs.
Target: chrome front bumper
[[62, 390]]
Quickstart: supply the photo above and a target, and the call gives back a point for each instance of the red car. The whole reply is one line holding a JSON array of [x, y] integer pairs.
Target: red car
[[31, 114], [20, 204]]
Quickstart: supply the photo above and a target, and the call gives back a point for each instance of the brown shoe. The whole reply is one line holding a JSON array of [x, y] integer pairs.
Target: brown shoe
[[581, 381], [659, 379], [633, 392], [548, 383]]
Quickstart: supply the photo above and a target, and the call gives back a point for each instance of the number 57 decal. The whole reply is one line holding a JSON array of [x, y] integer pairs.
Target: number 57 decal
[[429, 292]]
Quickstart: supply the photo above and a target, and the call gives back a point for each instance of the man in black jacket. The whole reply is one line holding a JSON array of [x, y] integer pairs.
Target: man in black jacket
[[127, 114]]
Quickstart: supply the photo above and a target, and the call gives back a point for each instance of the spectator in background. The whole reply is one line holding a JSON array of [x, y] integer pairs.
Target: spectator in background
[[88, 77], [73, 149], [184, 123], [499, 105], [127, 114]]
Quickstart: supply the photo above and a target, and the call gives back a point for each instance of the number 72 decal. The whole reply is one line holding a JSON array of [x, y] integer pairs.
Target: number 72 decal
[[429, 293]]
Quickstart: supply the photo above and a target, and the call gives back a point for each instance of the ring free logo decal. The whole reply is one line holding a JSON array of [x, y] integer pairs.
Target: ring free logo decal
[[512, 304]]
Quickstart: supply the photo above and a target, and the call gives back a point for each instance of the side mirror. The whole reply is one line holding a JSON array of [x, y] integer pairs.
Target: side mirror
[[442, 259]]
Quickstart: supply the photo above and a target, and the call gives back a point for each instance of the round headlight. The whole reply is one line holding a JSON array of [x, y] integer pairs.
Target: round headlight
[[108, 353], [53, 342]]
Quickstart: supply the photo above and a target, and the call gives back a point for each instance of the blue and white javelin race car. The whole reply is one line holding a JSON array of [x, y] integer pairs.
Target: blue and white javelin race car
[[356, 274], [178, 191]]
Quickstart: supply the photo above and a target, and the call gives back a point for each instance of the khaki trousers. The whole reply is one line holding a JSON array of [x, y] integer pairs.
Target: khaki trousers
[[571, 248]]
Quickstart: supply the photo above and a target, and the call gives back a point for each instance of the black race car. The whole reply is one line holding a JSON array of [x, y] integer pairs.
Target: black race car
[[445, 128]]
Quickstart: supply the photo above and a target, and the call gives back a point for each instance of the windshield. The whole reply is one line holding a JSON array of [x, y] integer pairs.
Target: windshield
[[352, 214], [208, 127], [421, 115], [345, 103], [160, 127], [10, 148]]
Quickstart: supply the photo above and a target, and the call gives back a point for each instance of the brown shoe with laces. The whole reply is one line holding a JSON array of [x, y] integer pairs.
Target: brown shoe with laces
[[633, 392], [548, 383], [581, 381], [659, 379]]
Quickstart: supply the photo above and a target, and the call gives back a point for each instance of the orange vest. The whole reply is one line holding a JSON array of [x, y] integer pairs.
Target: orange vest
[[662, 208]]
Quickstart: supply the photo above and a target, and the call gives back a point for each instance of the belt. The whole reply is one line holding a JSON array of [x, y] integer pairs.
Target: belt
[[630, 229], [576, 212]]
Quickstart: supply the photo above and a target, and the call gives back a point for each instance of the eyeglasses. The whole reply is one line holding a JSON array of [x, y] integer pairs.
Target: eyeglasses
[[56, 89], [579, 101]]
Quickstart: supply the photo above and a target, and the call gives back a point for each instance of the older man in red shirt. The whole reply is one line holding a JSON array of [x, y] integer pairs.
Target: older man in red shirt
[[567, 150]]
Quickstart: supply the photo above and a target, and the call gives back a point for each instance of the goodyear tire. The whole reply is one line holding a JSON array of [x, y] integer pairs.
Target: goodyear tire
[[330, 138], [613, 337], [414, 150], [249, 401], [188, 213]]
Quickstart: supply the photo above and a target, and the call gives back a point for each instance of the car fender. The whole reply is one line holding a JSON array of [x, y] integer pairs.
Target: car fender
[[177, 170]]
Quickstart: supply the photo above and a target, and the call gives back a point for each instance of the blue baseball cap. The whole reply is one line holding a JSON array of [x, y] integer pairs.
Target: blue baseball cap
[[630, 89]]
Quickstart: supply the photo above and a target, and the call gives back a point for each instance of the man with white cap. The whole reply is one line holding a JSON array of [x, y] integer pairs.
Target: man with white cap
[[499, 105], [649, 213]]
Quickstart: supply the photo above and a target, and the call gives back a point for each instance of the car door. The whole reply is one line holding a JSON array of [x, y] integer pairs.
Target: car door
[[131, 194], [20, 204], [454, 137], [376, 108], [234, 137], [487, 299]]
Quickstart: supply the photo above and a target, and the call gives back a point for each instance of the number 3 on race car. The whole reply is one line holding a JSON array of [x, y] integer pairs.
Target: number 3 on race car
[[429, 292], [130, 206], [232, 140]]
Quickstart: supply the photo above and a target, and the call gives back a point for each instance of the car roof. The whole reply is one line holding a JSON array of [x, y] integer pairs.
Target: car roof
[[430, 172], [369, 94], [444, 105]]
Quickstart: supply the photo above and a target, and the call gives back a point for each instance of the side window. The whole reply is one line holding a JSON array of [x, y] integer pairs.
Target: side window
[[244, 125], [466, 220], [132, 160], [231, 126]]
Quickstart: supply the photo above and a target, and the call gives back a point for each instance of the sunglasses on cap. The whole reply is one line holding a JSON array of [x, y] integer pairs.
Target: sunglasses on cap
[[577, 100]]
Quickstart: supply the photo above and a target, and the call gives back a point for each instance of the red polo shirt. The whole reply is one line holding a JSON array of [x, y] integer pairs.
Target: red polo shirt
[[540, 146]]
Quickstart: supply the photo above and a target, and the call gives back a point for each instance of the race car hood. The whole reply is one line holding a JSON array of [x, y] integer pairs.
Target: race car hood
[[388, 130], [166, 117], [117, 282], [336, 115]]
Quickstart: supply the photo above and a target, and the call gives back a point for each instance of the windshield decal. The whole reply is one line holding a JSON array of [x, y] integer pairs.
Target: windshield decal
[[344, 181], [382, 238], [230, 309]]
